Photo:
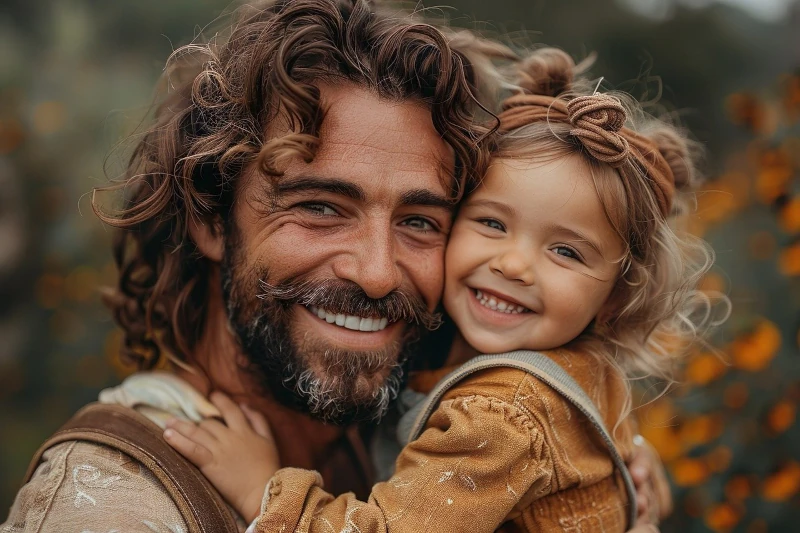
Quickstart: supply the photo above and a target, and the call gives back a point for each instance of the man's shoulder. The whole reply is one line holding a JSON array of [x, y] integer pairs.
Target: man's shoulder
[[86, 485]]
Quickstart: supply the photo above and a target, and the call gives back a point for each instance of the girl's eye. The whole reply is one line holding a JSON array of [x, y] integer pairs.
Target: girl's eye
[[419, 224], [492, 223], [565, 251], [319, 209]]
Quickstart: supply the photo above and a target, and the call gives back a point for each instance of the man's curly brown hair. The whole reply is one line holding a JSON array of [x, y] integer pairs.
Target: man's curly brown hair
[[219, 99]]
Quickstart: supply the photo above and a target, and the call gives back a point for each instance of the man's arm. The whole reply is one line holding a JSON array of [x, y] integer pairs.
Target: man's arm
[[81, 486]]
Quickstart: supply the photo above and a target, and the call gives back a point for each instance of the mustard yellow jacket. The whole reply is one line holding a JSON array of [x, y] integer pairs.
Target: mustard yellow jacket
[[502, 452]]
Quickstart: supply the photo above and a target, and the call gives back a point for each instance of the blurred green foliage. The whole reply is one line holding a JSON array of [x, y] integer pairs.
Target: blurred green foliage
[[77, 76]]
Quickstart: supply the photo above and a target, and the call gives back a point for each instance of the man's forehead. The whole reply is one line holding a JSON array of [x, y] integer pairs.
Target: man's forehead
[[361, 125]]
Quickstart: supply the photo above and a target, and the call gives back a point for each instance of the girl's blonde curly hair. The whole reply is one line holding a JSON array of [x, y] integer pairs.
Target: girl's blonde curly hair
[[656, 310]]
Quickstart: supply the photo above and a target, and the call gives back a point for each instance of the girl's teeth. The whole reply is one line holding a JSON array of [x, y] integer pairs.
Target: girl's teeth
[[356, 323], [501, 306]]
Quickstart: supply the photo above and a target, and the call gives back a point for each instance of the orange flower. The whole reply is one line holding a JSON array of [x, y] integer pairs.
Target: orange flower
[[738, 489], [783, 484], [775, 171], [700, 430], [712, 282], [781, 416], [745, 109], [705, 368], [719, 459], [789, 261], [754, 351], [717, 202], [791, 98], [723, 517], [689, 472], [790, 216], [736, 395], [11, 135]]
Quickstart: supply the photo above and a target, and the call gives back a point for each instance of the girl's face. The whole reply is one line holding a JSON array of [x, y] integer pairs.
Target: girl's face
[[532, 258]]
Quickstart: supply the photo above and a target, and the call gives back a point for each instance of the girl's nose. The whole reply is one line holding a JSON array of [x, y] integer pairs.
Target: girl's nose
[[514, 266]]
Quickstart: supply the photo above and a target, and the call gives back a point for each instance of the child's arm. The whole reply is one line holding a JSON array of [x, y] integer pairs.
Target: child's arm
[[476, 459], [474, 463], [238, 458]]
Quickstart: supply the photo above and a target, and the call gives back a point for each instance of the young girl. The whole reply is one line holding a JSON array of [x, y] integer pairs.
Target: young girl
[[566, 247]]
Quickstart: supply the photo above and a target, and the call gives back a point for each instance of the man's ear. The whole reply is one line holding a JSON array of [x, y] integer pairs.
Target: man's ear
[[208, 236]]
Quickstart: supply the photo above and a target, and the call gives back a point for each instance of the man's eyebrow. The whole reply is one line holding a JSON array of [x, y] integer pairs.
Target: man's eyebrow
[[427, 198], [314, 183]]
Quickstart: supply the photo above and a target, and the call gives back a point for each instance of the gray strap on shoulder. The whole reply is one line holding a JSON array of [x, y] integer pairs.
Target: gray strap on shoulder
[[542, 367]]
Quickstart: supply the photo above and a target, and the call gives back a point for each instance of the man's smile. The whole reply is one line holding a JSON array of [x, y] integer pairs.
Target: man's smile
[[356, 323], [341, 330]]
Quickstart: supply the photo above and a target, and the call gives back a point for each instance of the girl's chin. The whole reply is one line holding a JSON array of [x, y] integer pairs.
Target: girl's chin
[[488, 343]]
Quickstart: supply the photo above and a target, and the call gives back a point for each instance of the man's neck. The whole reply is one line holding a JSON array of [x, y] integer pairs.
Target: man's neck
[[302, 441]]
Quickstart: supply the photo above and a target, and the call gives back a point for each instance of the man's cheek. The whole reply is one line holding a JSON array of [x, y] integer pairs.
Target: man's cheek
[[427, 275], [288, 254]]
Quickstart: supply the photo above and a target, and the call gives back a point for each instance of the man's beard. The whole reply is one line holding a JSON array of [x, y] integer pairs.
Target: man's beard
[[333, 384]]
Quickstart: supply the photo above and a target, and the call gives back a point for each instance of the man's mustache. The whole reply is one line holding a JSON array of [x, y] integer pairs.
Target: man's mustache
[[347, 298]]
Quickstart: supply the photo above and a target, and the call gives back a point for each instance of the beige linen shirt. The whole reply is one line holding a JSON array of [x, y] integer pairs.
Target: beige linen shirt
[[90, 488]]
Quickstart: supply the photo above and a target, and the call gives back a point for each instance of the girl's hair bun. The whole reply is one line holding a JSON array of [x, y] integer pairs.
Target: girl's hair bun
[[549, 72], [678, 152]]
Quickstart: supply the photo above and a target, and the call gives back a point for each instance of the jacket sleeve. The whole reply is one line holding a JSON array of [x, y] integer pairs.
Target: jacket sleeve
[[476, 459], [92, 488]]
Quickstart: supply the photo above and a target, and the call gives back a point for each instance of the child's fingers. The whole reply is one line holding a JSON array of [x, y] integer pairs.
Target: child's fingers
[[196, 453], [215, 428], [233, 416], [259, 423], [194, 432]]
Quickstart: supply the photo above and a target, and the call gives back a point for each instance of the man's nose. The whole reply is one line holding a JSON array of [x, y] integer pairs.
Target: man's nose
[[514, 264], [372, 264]]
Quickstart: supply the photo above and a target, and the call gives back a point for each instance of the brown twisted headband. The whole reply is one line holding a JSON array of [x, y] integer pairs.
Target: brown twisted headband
[[598, 123]]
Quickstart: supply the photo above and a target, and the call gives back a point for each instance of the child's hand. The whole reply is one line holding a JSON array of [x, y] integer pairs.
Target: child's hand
[[239, 459]]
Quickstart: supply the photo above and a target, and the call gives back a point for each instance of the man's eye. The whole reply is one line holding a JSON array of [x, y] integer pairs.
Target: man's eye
[[319, 209], [565, 251], [419, 224], [492, 223]]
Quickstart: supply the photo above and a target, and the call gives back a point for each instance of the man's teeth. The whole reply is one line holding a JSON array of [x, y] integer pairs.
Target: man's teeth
[[355, 323], [496, 304]]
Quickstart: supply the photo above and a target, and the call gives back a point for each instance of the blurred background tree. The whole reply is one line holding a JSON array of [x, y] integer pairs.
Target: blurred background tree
[[77, 77]]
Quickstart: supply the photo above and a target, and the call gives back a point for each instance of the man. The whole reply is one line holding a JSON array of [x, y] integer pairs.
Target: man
[[301, 178]]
